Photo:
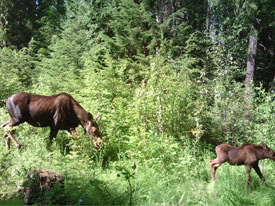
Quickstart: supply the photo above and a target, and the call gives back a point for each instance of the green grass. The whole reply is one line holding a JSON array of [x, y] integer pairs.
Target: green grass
[[178, 175], [87, 183]]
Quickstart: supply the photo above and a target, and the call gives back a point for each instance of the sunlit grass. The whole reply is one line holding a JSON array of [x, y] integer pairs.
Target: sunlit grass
[[86, 183], [178, 178]]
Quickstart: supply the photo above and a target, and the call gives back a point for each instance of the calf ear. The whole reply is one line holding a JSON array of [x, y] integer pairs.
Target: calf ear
[[264, 145]]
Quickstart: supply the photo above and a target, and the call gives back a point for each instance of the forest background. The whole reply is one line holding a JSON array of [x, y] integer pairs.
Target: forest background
[[170, 79]]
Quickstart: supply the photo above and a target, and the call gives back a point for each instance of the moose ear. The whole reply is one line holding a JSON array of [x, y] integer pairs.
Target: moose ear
[[90, 116], [264, 145], [96, 117]]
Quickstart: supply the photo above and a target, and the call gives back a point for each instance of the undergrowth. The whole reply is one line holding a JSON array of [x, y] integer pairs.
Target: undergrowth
[[154, 168], [148, 182]]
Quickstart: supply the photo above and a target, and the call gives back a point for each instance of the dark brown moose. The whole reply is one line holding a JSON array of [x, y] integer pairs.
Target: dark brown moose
[[59, 112], [246, 154]]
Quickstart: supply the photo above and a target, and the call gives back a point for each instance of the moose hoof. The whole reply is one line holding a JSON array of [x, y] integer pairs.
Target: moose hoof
[[19, 147]]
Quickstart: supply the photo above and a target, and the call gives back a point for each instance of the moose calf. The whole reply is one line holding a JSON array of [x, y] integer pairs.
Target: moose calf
[[246, 154]]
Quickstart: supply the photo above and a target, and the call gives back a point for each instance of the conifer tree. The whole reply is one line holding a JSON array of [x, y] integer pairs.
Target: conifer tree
[[16, 22]]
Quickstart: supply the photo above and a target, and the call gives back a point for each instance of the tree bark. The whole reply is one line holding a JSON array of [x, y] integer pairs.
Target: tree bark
[[252, 52], [250, 69], [207, 18], [164, 8]]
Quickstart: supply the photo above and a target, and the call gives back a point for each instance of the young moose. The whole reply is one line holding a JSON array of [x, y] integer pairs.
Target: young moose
[[246, 154]]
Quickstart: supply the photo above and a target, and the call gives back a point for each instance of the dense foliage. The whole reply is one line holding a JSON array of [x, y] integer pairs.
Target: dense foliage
[[166, 77]]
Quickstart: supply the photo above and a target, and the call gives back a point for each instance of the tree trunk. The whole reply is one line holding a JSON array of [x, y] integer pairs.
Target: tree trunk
[[250, 69], [252, 52], [164, 8], [207, 18]]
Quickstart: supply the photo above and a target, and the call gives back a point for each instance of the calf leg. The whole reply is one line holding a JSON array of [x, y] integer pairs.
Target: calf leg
[[258, 171], [214, 164], [248, 168]]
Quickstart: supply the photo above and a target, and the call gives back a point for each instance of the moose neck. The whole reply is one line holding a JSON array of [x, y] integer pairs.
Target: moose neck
[[82, 116], [262, 154]]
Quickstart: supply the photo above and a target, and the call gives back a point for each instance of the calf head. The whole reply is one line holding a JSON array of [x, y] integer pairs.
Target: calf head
[[92, 128], [269, 152]]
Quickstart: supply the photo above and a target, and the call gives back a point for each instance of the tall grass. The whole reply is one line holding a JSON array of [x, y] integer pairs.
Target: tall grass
[[170, 173], [88, 183]]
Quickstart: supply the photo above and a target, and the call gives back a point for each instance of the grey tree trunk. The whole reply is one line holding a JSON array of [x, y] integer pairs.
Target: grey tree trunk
[[250, 69], [252, 52], [207, 17]]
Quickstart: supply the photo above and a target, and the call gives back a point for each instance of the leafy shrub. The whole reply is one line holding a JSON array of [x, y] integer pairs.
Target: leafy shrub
[[15, 71]]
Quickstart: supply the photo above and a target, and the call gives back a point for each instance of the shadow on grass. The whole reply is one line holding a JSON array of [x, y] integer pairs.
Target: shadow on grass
[[93, 192], [77, 192]]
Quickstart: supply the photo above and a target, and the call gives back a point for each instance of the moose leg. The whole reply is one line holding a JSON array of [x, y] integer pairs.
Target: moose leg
[[8, 135], [248, 168], [53, 134], [7, 140], [6, 124], [214, 164], [258, 171]]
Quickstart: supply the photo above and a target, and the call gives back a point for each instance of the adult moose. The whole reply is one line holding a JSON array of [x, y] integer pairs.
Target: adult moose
[[59, 112], [246, 154]]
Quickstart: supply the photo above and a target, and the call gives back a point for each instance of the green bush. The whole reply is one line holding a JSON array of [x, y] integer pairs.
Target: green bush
[[15, 71]]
